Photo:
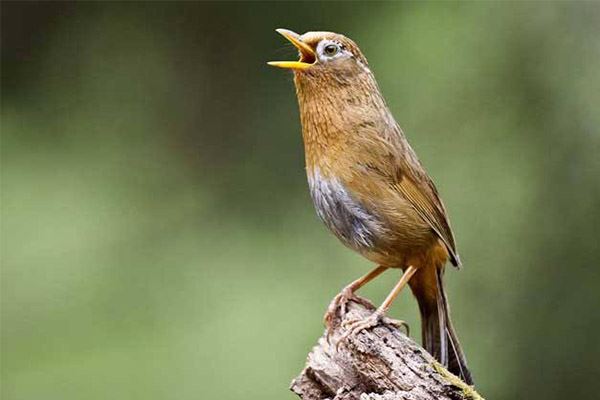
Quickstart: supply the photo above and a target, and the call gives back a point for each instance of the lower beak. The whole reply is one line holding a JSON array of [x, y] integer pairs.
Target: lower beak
[[307, 54]]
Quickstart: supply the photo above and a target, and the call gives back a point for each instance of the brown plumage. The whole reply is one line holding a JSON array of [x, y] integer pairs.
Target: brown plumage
[[369, 187]]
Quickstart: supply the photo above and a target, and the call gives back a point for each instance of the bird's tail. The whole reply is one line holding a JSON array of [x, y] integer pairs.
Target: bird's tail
[[439, 337]]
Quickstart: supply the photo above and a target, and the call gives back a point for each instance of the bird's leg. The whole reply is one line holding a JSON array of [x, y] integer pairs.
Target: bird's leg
[[354, 327], [347, 294]]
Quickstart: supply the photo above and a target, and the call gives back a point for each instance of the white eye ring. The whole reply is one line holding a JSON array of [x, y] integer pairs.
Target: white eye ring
[[331, 49]]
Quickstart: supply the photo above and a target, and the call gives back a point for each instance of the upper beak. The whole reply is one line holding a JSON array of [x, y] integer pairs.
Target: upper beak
[[307, 54]]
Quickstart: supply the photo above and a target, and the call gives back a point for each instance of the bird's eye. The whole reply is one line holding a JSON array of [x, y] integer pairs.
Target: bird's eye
[[331, 50]]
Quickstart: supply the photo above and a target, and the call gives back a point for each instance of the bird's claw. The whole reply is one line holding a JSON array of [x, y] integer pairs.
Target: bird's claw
[[341, 301], [355, 326], [398, 323]]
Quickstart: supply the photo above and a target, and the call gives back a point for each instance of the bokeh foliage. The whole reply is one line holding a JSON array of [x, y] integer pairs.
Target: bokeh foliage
[[158, 240]]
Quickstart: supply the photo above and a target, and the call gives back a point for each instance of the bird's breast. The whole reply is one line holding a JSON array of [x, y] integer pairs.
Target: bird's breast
[[350, 221]]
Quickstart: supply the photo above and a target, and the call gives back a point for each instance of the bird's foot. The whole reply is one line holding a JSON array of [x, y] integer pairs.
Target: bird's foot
[[355, 326], [340, 301]]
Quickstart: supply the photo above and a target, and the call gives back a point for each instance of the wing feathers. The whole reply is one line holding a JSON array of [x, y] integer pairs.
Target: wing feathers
[[428, 205]]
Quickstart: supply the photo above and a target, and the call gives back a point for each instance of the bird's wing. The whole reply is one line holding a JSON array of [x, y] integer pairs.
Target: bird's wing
[[426, 201], [395, 161]]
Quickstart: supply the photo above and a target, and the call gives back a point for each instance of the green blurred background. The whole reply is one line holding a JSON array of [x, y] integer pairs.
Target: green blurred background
[[158, 239]]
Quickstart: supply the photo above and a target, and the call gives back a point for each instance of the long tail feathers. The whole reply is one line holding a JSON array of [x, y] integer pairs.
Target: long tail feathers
[[438, 333]]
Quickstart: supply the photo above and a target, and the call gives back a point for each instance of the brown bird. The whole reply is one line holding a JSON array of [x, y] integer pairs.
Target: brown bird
[[369, 187]]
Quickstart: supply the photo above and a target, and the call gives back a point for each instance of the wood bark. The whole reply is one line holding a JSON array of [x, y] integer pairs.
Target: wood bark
[[379, 363]]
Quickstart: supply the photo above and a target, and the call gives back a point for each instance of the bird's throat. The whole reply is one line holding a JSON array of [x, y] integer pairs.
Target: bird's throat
[[335, 114]]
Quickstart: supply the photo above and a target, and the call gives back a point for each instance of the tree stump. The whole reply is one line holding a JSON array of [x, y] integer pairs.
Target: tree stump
[[380, 363]]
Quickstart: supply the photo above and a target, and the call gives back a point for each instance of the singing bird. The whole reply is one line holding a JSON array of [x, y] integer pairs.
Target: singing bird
[[370, 189]]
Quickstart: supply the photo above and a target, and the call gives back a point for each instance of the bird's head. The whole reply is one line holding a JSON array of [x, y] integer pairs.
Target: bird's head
[[323, 55], [337, 93]]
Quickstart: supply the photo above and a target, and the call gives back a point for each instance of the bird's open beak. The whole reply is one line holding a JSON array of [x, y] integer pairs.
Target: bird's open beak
[[307, 55]]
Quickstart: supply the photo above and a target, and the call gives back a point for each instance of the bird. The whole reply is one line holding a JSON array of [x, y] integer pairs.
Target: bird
[[370, 189]]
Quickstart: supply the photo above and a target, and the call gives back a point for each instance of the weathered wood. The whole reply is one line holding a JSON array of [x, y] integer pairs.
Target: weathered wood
[[381, 363]]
